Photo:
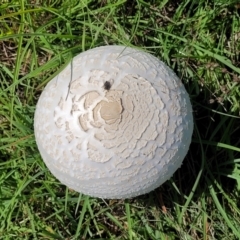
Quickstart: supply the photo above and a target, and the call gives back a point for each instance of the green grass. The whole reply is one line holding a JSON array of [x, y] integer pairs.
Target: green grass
[[199, 40]]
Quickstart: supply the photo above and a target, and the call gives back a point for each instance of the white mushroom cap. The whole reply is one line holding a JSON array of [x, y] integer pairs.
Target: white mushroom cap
[[119, 142]]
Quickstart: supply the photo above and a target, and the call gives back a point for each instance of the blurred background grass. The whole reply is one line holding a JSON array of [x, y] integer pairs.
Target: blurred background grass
[[199, 40]]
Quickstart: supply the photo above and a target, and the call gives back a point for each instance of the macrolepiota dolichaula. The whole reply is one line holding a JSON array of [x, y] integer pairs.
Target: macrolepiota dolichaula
[[119, 143]]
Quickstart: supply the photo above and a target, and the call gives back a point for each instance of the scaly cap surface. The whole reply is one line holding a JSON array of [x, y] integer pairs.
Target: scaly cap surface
[[114, 142]]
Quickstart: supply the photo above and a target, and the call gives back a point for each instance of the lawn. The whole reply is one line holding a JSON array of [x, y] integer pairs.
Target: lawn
[[200, 41]]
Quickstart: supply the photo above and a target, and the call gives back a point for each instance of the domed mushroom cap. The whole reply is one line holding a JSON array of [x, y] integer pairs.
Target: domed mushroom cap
[[116, 123]]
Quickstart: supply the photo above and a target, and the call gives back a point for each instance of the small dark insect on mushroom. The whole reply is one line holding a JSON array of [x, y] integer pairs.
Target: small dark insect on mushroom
[[107, 85]]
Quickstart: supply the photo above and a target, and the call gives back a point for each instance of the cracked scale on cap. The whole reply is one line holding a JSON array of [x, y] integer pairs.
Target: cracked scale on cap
[[119, 142]]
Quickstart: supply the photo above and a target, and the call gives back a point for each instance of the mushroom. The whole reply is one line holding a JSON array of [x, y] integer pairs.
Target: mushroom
[[116, 123]]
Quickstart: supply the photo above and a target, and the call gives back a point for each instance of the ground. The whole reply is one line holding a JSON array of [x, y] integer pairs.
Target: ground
[[199, 40]]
